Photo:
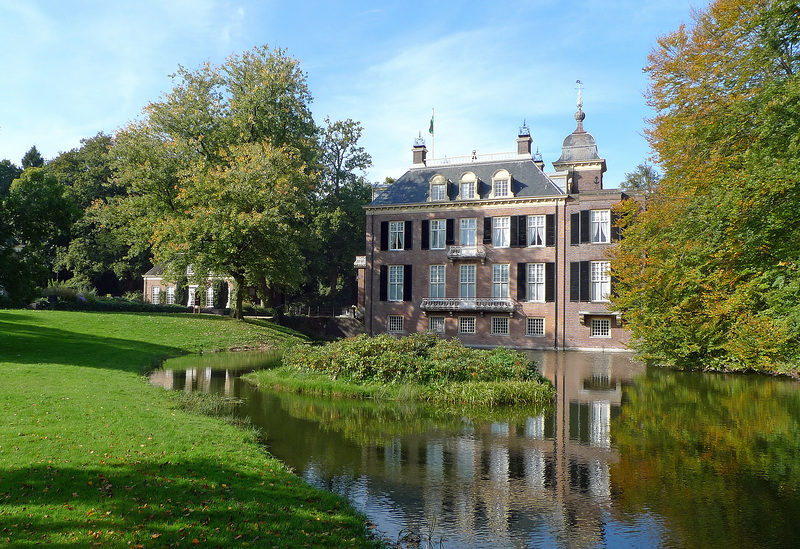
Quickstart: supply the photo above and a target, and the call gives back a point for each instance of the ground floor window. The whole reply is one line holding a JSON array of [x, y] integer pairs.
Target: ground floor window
[[534, 327], [395, 324], [499, 325], [209, 297], [601, 327], [155, 294], [466, 325], [171, 295], [436, 324]]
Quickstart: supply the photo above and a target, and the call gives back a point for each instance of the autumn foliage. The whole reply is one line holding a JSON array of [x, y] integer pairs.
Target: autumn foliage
[[708, 271]]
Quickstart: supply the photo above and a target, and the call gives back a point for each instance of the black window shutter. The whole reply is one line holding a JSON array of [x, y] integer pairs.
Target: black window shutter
[[384, 235], [614, 228], [522, 223], [585, 280], [575, 228], [574, 280], [550, 230], [585, 226], [409, 236], [425, 235], [550, 282], [384, 283], [522, 281], [450, 237], [514, 231], [407, 283], [487, 230]]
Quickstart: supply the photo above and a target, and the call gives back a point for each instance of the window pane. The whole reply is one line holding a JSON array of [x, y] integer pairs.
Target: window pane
[[500, 281], [395, 323], [468, 232], [601, 280], [438, 227], [437, 281], [499, 325], [396, 235], [536, 282], [535, 326], [536, 230], [467, 282], [436, 324], [501, 236], [396, 282], [600, 225], [466, 324], [601, 327], [438, 192], [501, 188]]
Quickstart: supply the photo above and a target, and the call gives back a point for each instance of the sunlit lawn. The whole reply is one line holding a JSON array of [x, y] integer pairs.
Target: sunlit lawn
[[91, 455]]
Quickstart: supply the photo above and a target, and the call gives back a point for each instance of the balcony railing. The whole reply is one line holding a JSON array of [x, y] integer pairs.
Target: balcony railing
[[466, 252], [479, 304], [473, 158]]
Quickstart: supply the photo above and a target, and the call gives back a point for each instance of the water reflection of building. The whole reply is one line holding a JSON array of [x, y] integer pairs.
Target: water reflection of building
[[204, 380]]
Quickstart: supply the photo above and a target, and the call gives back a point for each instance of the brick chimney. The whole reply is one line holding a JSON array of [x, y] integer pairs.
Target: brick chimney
[[524, 141], [419, 151]]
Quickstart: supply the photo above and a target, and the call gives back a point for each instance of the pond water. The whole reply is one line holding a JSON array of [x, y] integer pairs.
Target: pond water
[[626, 457]]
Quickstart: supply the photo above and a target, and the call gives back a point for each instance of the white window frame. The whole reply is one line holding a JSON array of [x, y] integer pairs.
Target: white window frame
[[500, 325], [500, 280], [396, 281], [600, 226], [536, 231], [438, 234], [468, 231], [394, 324], [438, 192], [397, 235], [466, 278], [171, 295], [502, 188], [501, 232], [436, 324], [468, 186], [466, 325], [437, 281], [601, 328], [155, 294], [210, 297], [534, 326], [536, 282], [600, 280]]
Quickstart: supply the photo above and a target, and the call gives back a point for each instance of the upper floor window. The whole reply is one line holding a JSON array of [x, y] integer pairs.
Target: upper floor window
[[536, 230], [501, 232], [468, 186], [438, 188], [437, 281], [600, 280], [536, 282], [396, 235], [468, 232], [396, 280], [438, 234], [600, 226], [500, 281], [467, 282], [501, 184]]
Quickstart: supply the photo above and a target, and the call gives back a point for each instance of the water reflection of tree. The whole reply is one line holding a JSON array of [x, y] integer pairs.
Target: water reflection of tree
[[378, 422], [718, 455]]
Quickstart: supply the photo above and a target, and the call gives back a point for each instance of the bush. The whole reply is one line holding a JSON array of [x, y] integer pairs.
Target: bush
[[220, 288], [419, 358]]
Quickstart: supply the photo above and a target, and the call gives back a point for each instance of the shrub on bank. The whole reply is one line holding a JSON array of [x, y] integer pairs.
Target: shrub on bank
[[419, 358]]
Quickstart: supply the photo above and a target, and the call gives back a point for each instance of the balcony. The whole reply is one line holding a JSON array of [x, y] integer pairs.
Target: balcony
[[478, 305], [360, 262], [466, 252]]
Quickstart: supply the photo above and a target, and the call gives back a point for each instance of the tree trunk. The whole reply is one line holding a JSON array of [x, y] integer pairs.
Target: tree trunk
[[237, 312]]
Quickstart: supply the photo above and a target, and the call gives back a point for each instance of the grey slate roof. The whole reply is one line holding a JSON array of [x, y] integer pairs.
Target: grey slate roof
[[528, 181]]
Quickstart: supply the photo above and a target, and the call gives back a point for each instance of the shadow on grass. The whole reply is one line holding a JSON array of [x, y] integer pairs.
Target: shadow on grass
[[24, 343], [168, 504]]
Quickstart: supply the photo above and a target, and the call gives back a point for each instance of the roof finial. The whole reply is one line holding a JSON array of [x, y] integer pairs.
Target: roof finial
[[579, 116]]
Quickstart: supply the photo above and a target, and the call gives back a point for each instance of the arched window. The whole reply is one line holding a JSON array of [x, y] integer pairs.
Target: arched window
[[501, 184], [438, 188], [468, 187]]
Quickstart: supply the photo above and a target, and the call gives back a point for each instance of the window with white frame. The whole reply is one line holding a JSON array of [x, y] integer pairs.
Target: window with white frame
[[394, 324], [534, 326], [209, 297], [501, 232], [466, 325], [437, 281], [536, 224], [501, 188], [438, 188], [499, 325], [468, 184], [468, 232], [500, 281], [600, 226], [467, 282], [536, 282], [397, 231], [601, 280], [396, 282], [438, 233], [436, 324], [601, 327], [171, 295], [155, 294], [192, 296]]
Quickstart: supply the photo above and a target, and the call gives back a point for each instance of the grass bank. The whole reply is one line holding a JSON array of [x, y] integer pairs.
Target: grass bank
[[92, 455], [420, 367]]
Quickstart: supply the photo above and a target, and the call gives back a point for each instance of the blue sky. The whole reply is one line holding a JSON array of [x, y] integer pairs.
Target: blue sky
[[72, 69]]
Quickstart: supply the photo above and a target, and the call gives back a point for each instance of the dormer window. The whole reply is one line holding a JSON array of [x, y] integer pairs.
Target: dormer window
[[467, 186], [501, 184], [438, 191]]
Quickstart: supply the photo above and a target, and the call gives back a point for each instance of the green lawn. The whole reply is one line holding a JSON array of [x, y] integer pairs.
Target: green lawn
[[91, 455]]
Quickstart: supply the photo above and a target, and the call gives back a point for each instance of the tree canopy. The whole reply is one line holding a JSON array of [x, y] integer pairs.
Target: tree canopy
[[709, 273]]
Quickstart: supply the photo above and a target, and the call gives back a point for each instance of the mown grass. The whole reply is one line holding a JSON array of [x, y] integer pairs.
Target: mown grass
[[92, 455]]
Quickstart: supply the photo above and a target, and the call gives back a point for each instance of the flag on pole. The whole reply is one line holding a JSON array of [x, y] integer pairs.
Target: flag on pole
[[430, 129]]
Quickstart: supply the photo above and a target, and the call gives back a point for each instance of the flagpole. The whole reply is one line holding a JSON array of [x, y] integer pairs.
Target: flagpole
[[433, 137]]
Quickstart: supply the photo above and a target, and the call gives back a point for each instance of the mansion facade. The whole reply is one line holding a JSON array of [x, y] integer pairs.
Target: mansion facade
[[494, 251]]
